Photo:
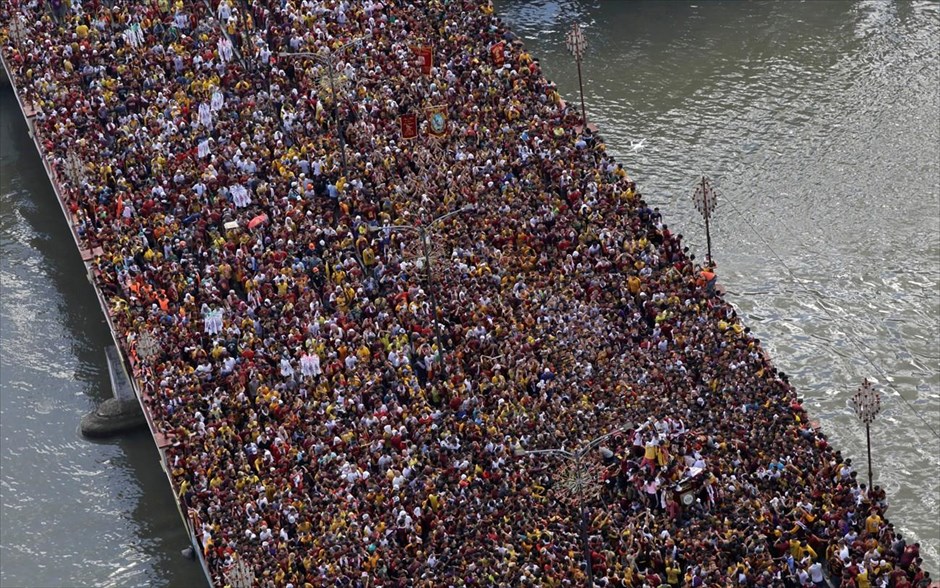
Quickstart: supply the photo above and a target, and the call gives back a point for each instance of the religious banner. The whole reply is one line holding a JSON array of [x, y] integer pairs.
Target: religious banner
[[498, 53], [437, 120], [409, 126], [425, 59]]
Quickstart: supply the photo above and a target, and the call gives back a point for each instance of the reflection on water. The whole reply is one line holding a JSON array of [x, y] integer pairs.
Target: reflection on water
[[74, 512], [818, 119]]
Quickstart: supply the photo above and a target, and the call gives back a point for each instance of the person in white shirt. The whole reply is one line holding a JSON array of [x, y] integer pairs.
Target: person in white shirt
[[816, 575]]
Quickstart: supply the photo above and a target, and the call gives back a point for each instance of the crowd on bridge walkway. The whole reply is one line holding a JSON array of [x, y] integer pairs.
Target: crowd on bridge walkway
[[320, 432]]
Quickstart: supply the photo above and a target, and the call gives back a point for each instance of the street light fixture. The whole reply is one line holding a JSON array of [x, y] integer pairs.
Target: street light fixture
[[148, 346], [240, 574], [706, 199], [576, 44], [17, 31], [867, 404], [328, 58], [74, 169], [425, 238], [580, 481]]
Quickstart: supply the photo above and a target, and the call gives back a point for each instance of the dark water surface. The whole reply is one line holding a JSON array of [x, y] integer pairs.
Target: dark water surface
[[74, 512], [820, 119]]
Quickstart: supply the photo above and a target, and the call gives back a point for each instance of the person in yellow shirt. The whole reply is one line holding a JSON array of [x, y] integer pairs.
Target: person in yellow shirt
[[633, 284], [873, 523], [862, 580], [801, 549], [673, 573]]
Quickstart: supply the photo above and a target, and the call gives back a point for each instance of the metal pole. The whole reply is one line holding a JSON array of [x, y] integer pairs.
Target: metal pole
[[707, 213], [579, 480], [581, 86], [583, 524], [708, 241], [337, 120], [427, 268], [426, 247], [868, 438], [867, 404]]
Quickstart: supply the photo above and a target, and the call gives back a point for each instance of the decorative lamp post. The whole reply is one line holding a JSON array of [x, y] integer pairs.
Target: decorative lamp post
[[867, 404], [240, 574], [17, 32], [576, 44], [579, 483], [148, 346], [425, 238], [329, 60], [706, 199]]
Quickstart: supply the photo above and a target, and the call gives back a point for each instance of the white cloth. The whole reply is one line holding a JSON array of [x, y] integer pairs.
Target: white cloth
[[240, 195], [213, 320], [205, 115], [181, 21], [134, 36], [310, 365], [287, 370], [225, 50], [218, 100]]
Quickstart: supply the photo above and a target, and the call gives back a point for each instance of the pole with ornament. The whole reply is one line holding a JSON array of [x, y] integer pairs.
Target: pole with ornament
[[867, 404], [706, 199], [328, 58], [580, 483], [576, 45]]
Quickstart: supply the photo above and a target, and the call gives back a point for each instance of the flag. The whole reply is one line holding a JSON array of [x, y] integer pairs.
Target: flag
[[409, 126], [437, 120], [497, 51], [425, 59]]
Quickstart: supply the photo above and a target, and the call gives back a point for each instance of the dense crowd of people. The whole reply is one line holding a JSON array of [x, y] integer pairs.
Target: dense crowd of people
[[345, 410]]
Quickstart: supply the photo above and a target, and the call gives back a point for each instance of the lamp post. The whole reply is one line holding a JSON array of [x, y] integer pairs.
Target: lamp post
[[576, 44], [422, 232], [579, 483], [74, 169], [867, 404], [706, 199], [148, 346], [240, 574], [329, 60], [17, 31]]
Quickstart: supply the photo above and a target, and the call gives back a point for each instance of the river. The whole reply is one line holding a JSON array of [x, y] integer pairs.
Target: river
[[817, 119], [74, 512]]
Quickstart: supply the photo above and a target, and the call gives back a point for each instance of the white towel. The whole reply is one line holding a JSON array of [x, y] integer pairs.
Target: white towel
[[217, 101]]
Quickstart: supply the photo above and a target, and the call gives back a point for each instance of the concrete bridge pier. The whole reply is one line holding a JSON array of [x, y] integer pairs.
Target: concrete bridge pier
[[118, 414]]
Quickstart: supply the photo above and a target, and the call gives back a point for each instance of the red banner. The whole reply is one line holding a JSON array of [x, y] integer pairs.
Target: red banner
[[409, 126], [498, 53], [437, 120], [425, 59]]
